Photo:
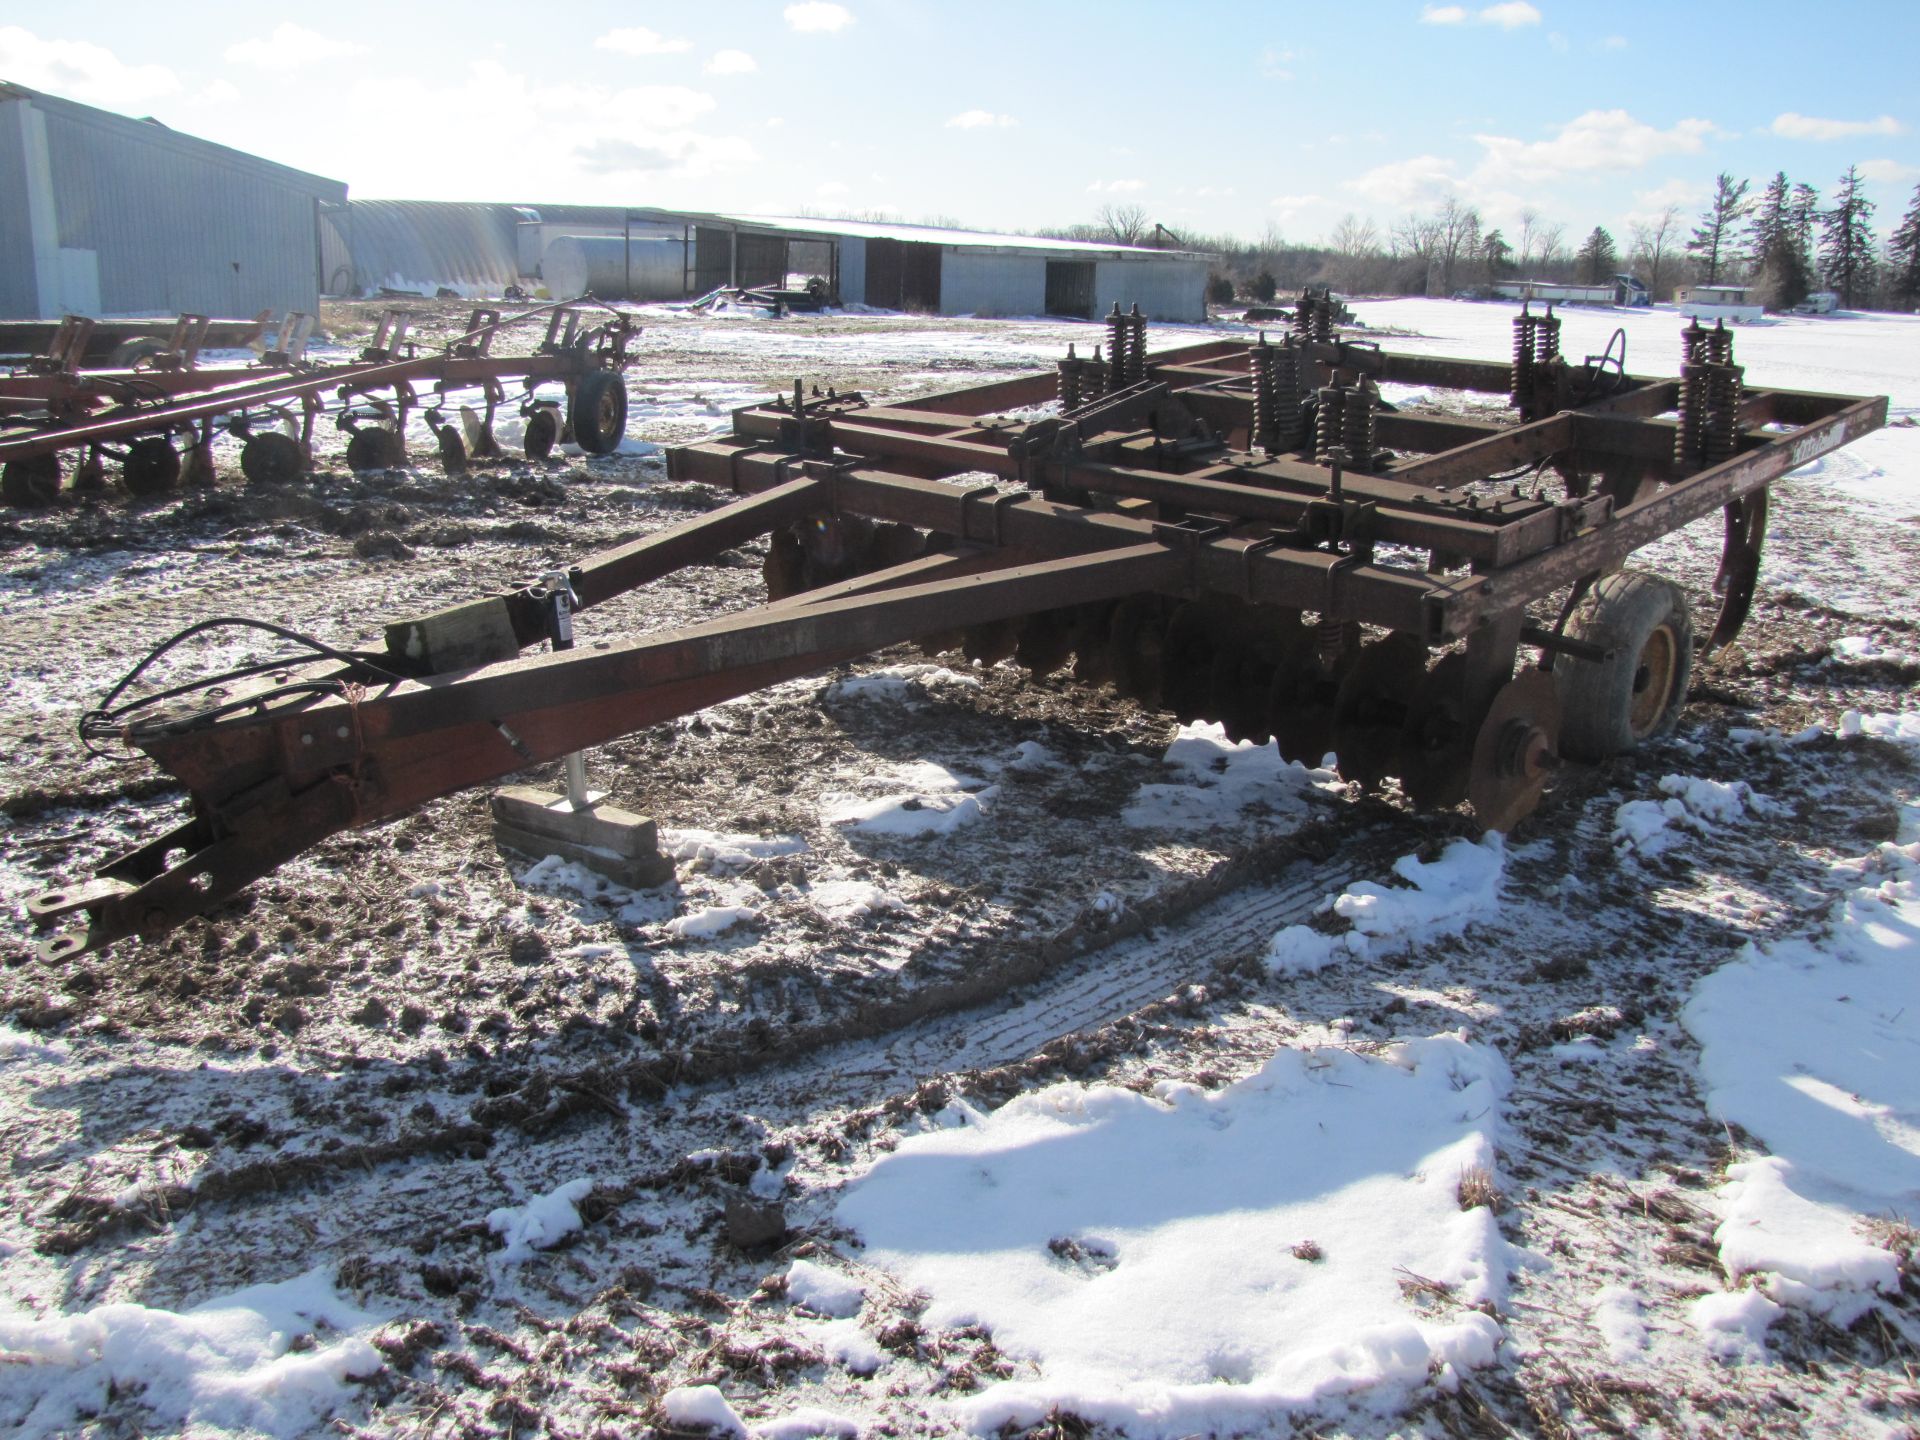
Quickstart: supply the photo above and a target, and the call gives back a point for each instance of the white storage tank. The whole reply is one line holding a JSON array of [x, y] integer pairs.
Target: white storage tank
[[649, 267]]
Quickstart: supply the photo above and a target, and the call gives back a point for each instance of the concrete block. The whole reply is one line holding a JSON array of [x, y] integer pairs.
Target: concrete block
[[609, 841]]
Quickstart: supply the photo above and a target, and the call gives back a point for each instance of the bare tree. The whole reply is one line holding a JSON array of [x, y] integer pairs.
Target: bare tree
[[1459, 227], [1356, 244], [1654, 243], [1529, 236], [1549, 239], [1124, 224]]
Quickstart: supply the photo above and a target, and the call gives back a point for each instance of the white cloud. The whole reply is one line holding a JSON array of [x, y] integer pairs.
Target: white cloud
[[639, 40], [831, 188], [1599, 140], [1116, 187], [1810, 127], [1614, 42], [1290, 206], [1889, 172], [1509, 16], [818, 15], [1404, 184], [774, 122], [220, 92], [1275, 64], [1649, 203], [980, 120], [80, 71], [731, 62], [289, 47]]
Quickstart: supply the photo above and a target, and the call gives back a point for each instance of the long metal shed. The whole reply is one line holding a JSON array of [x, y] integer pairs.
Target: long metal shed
[[946, 271], [101, 214]]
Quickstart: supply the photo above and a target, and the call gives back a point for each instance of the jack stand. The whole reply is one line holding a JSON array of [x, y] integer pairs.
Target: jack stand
[[578, 825]]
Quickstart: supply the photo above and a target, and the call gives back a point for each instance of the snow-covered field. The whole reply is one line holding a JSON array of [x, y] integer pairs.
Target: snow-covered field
[[1000, 1060]]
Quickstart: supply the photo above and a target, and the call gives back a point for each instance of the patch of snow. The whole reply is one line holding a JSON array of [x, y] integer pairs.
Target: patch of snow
[[846, 1344], [226, 1365], [1647, 827], [924, 799], [711, 921], [804, 1423], [851, 899], [20, 1045], [826, 1291], [1617, 1316], [1813, 1047], [1188, 1260], [703, 1406], [725, 853], [1902, 726], [898, 684], [1442, 898], [1733, 1323], [541, 1223], [1223, 782]]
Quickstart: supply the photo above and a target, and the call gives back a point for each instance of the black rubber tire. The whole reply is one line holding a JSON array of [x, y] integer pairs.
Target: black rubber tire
[[30, 483], [152, 466], [542, 434], [270, 458], [598, 412], [129, 353], [1611, 707], [373, 448]]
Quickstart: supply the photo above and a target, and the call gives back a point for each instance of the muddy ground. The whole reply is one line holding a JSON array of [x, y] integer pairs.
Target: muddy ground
[[371, 1048]]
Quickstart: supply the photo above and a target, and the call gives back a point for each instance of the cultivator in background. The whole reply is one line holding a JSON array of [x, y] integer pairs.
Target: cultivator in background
[[1247, 533], [157, 418]]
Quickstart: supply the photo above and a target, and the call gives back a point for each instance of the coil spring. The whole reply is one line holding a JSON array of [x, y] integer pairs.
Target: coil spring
[[1303, 316], [1070, 382], [1323, 317], [1546, 339], [1357, 424], [1093, 378], [1117, 348], [1521, 384], [1719, 344], [1329, 421], [1693, 344], [1260, 358], [1720, 425], [1288, 414], [1136, 345], [1331, 639]]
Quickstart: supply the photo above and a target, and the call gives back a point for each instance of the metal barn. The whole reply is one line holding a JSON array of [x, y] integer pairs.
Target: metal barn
[[105, 215]]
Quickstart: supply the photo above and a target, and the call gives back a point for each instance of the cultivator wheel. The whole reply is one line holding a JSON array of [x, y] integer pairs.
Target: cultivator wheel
[[151, 467], [598, 412], [374, 447], [1515, 750], [542, 433], [271, 458], [1636, 693], [31, 482]]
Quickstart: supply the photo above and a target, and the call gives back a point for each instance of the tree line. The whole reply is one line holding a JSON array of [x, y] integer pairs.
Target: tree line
[[1782, 243]]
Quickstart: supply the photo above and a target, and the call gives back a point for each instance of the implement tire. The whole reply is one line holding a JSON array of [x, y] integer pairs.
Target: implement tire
[[1611, 707], [599, 411]]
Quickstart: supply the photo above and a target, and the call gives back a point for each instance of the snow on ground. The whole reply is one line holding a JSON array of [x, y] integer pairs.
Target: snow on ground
[[1437, 898], [270, 1359], [1223, 782], [1812, 1046], [1185, 1259]]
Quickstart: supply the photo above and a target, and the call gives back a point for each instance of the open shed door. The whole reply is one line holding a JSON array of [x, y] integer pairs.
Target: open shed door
[[903, 275], [1070, 288]]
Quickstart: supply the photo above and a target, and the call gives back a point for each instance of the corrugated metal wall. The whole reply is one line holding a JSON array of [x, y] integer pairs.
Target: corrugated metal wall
[[19, 295], [992, 285], [425, 244], [1167, 289], [174, 223]]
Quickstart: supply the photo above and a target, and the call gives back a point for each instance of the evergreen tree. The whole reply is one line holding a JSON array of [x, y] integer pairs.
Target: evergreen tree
[[1496, 254], [1803, 211], [1713, 238], [1846, 240], [1780, 279], [1903, 255], [1596, 256]]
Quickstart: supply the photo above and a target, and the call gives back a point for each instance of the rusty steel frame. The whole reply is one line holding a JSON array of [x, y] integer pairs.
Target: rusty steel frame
[[191, 398], [1159, 492]]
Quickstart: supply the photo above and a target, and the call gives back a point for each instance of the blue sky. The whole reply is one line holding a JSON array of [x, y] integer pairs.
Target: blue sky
[[1212, 117]]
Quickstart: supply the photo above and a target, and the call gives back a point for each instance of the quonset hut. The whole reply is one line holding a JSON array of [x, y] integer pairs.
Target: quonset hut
[[104, 215]]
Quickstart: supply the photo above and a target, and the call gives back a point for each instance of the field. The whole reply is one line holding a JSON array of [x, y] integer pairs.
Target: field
[[1001, 1058]]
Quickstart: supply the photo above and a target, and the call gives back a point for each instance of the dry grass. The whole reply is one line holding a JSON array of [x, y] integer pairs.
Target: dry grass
[[1476, 1188]]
